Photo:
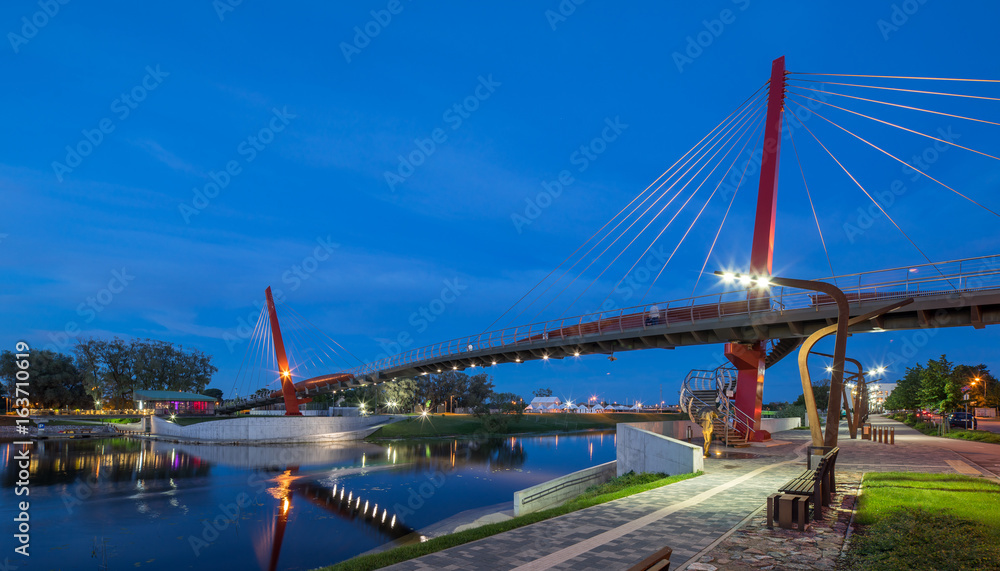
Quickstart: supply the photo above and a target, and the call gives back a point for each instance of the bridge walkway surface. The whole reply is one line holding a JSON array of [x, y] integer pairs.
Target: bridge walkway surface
[[694, 515]]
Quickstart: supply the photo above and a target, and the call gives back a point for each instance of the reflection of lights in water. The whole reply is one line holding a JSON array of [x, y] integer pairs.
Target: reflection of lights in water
[[335, 490], [388, 452], [392, 524], [358, 505], [591, 450], [341, 493], [174, 502], [284, 506], [375, 510], [350, 497], [393, 456], [362, 460], [384, 513], [365, 511]]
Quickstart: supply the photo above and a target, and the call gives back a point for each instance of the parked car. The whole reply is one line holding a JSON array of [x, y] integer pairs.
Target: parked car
[[962, 420]]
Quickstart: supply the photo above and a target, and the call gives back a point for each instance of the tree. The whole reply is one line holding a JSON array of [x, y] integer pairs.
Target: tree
[[821, 393], [403, 392], [478, 390], [114, 370], [507, 403], [214, 393], [54, 381], [906, 395], [542, 392], [935, 391]]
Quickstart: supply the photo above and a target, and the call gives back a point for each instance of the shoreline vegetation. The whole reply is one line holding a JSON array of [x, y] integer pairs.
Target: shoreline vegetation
[[456, 425], [620, 487]]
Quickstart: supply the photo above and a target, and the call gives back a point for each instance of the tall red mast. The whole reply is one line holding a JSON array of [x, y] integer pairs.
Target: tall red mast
[[749, 359], [287, 387]]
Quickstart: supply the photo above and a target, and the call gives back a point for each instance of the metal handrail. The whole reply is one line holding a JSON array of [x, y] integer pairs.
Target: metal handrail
[[982, 274]]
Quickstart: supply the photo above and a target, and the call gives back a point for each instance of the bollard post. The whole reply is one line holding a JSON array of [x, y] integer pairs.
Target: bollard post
[[892, 435], [878, 434]]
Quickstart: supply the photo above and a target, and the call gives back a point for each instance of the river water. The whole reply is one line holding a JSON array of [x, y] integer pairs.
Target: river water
[[129, 503]]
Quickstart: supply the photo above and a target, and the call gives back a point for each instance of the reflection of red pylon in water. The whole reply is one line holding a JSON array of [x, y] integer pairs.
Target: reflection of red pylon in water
[[276, 532], [287, 387]]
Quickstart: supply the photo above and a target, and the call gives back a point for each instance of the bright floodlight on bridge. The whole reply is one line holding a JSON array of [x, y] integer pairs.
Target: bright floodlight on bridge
[[745, 280]]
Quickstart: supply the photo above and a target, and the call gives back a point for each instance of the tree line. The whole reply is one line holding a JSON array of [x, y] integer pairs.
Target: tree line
[[452, 389], [939, 385], [105, 374]]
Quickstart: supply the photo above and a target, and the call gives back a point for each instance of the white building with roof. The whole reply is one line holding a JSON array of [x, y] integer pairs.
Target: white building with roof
[[544, 404]]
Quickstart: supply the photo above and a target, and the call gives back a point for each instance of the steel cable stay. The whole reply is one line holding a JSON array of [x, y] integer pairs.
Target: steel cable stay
[[812, 206], [732, 200], [295, 352], [741, 133], [909, 107], [640, 217], [875, 202], [304, 353], [694, 148], [316, 340], [253, 379], [897, 77], [899, 127], [748, 133], [757, 127], [897, 159], [239, 371], [320, 331], [882, 87], [703, 152]]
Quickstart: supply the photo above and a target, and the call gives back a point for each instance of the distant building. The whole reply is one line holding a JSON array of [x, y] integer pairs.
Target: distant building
[[544, 404], [174, 402]]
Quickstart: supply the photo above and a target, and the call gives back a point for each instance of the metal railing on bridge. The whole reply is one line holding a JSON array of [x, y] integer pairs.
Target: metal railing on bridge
[[964, 275]]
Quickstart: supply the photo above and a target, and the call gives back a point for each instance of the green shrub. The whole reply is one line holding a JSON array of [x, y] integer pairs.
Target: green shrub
[[910, 419], [917, 539]]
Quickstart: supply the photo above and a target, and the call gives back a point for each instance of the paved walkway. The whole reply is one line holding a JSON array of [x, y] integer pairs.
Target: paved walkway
[[692, 515]]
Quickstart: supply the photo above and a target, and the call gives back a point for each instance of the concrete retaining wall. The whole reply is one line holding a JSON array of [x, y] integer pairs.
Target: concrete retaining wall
[[560, 490], [642, 450], [274, 429], [773, 425]]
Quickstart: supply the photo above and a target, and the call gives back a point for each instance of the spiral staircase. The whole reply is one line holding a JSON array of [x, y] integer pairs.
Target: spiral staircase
[[706, 390]]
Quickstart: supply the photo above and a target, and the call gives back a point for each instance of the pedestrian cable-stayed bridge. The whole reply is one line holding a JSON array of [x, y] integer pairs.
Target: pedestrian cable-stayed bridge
[[758, 324], [967, 294]]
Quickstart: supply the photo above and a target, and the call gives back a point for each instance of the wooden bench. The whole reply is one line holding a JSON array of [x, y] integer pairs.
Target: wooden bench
[[791, 504], [659, 561]]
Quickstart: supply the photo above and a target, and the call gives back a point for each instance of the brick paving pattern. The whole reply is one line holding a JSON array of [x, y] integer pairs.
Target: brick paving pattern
[[690, 516]]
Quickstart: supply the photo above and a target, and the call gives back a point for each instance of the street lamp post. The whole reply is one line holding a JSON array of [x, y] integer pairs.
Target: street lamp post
[[839, 349]]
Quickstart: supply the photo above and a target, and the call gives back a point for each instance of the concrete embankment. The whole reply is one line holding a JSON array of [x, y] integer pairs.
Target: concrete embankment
[[267, 430]]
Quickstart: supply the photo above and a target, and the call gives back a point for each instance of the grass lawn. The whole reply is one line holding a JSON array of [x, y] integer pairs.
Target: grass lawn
[[926, 521], [959, 433], [466, 424], [617, 488]]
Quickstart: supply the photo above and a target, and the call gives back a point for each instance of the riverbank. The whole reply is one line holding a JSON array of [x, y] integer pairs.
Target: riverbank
[[448, 425], [620, 487]]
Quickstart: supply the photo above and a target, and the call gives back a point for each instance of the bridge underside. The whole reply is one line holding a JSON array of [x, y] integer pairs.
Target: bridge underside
[[970, 308]]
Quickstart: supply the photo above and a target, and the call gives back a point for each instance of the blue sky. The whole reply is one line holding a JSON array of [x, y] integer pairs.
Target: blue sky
[[297, 115]]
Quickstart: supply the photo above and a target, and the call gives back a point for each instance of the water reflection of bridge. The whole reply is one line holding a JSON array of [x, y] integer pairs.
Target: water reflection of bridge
[[108, 459]]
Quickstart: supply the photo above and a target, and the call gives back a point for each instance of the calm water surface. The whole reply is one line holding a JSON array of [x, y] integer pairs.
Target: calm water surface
[[137, 504]]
